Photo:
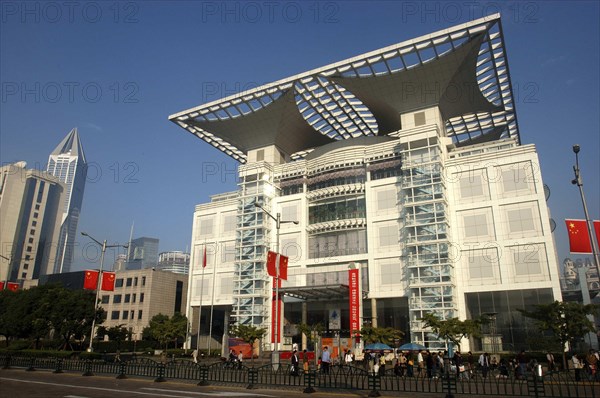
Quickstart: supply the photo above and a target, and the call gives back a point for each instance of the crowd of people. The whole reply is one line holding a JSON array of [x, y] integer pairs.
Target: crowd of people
[[434, 364]]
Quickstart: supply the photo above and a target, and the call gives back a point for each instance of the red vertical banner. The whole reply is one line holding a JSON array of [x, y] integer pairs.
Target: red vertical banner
[[354, 296], [276, 314], [1, 285]]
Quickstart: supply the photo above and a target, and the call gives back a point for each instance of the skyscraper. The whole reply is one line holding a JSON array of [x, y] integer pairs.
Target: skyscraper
[[67, 162], [143, 253]]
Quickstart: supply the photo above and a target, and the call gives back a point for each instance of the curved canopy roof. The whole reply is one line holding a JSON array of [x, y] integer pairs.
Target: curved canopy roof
[[462, 70]]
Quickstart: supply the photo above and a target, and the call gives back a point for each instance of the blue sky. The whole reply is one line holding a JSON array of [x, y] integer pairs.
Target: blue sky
[[116, 70]]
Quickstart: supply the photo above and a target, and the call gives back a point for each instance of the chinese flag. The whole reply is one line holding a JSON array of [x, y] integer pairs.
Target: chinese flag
[[204, 258], [13, 287], [597, 230], [90, 280], [108, 281], [1, 285], [272, 263], [579, 237], [283, 266]]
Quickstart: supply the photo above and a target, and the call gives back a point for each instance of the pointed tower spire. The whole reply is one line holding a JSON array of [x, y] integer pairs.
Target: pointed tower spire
[[68, 163]]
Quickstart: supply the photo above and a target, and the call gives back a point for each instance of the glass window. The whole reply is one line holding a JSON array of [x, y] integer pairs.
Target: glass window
[[527, 259], [206, 226], [480, 265], [119, 282], [125, 315], [127, 298], [105, 298], [117, 299], [140, 314], [114, 315], [133, 298], [520, 220], [229, 222], [143, 281], [475, 225], [391, 272], [135, 281], [141, 297], [129, 282]]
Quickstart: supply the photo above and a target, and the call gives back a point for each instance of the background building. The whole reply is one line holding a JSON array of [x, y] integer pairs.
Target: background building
[[67, 162], [30, 219], [142, 253], [405, 162], [174, 261], [138, 296]]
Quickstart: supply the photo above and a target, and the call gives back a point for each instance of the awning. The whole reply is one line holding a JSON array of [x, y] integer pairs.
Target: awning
[[318, 293]]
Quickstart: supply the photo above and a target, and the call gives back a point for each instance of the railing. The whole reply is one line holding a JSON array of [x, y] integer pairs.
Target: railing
[[584, 384]]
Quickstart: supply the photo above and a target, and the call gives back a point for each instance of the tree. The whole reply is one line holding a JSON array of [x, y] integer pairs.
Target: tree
[[115, 333], [249, 334], [388, 336], [34, 313], [313, 334], [567, 321], [164, 329], [453, 329]]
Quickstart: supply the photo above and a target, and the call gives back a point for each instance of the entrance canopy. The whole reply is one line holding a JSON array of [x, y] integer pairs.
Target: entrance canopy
[[318, 293]]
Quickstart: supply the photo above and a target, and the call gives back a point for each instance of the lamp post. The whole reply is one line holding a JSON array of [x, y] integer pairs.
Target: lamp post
[[9, 259], [104, 246], [579, 182], [278, 223]]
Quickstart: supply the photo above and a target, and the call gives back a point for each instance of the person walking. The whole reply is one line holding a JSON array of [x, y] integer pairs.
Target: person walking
[[305, 361], [550, 359], [195, 355], [484, 362], [240, 359], [348, 358], [295, 363], [326, 360]]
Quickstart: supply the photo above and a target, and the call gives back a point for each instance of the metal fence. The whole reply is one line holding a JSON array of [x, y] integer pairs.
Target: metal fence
[[343, 377]]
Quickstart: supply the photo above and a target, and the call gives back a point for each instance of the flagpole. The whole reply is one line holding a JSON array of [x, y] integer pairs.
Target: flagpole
[[96, 303], [201, 295], [588, 222], [212, 300]]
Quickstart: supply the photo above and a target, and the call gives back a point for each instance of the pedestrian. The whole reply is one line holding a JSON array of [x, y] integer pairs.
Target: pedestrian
[[577, 365], [348, 359], [550, 359], [471, 363], [461, 371], [195, 355], [522, 361], [484, 362], [295, 362], [592, 361], [326, 360], [305, 361], [240, 359], [420, 364], [403, 362], [382, 362], [429, 364], [118, 356]]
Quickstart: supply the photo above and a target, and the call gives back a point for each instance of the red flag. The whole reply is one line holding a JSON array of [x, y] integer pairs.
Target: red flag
[[272, 263], [90, 280], [108, 281], [12, 286], [204, 258], [597, 230], [283, 266], [1, 285], [579, 237]]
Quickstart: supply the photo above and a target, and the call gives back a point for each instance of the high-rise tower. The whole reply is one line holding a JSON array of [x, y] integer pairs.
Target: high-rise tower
[[67, 162]]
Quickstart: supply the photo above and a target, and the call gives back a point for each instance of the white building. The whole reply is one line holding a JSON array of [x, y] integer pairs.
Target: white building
[[405, 161]]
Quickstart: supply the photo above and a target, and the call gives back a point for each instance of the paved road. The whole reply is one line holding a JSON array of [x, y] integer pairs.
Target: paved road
[[17, 383]]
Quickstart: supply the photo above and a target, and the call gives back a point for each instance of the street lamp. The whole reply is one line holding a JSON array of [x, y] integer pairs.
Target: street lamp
[[9, 259], [278, 222], [579, 182], [104, 247]]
